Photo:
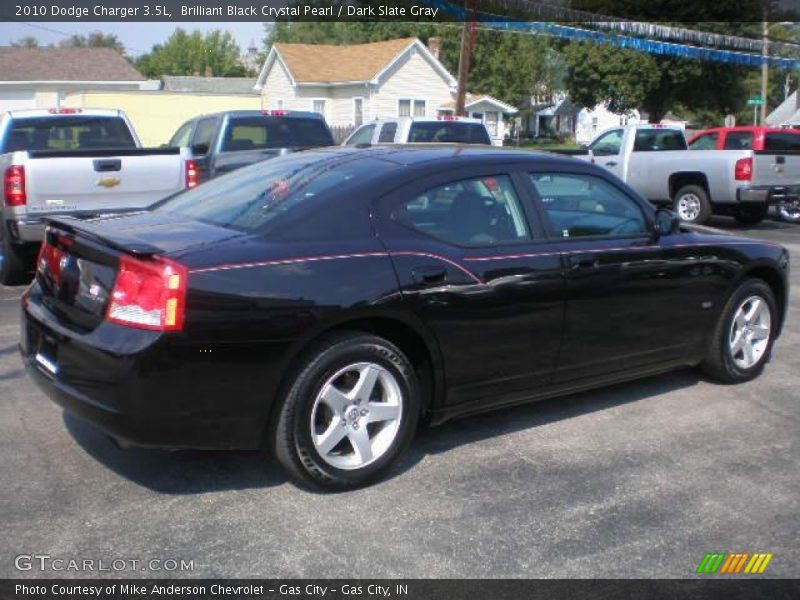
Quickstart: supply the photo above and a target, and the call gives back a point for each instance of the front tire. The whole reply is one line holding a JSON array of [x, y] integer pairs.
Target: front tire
[[692, 205], [743, 338], [349, 414], [751, 215]]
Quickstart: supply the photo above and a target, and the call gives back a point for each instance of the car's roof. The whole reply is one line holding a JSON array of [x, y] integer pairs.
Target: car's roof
[[412, 154], [262, 113], [751, 129], [429, 120], [26, 113]]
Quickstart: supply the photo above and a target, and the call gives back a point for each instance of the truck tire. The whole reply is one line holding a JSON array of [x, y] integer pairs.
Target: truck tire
[[692, 205], [790, 212], [14, 267], [750, 215]]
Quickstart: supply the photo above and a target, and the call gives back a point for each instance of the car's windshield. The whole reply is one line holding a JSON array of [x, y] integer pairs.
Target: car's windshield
[[254, 197], [258, 132], [448, 132], [68, 133]]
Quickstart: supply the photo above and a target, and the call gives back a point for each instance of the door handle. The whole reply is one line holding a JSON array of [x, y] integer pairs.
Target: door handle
[[429, 274], [612, 163], [583, 261]]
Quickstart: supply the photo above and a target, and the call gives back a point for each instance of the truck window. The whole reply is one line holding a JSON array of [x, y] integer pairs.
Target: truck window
[[658, 140], [259, 132], [782, 142], [707, 141], [448, 132], [181, 137], [68, 133], [361, 136], [201, 143], [608, 144], [387, 132], [739, 140]]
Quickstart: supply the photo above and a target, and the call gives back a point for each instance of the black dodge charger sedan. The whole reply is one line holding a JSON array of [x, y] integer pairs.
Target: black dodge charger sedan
[[322, 304]]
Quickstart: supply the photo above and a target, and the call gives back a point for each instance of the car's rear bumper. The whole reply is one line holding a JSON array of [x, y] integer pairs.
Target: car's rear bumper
[[768, 194], [125, 383]]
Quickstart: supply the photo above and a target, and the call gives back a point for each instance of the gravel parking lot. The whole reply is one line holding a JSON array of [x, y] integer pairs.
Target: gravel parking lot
[[635, 480]]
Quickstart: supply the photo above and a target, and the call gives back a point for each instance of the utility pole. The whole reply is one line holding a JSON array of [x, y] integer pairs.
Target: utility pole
[[468, 34], [764, 66]]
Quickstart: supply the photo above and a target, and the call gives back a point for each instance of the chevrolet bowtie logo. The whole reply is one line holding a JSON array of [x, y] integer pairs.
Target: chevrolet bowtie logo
[[109, 182]]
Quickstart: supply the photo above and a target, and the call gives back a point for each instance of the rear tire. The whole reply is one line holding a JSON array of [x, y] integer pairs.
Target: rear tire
[[739, 350], [15, 261], [751, 215], [349, 414], [790, 212], [692, 205]]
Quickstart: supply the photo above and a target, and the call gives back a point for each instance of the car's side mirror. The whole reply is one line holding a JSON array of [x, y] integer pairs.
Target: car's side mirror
[[666, 223]]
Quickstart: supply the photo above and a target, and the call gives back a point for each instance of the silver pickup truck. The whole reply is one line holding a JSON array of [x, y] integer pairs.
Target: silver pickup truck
[[78, 162], [656, 162]]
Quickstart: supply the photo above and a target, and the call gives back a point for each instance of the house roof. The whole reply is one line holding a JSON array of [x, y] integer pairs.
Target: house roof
[[786, 112], [473, 99], [209, 85], [325, 64], [65, 64]]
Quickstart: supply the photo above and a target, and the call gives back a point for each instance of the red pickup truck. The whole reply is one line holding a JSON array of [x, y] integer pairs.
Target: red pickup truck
[[759, 139]]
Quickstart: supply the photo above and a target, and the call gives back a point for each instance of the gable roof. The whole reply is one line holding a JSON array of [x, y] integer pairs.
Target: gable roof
[[472, 99], [65, 64], [211, 85], [785, 112], [326, 64]]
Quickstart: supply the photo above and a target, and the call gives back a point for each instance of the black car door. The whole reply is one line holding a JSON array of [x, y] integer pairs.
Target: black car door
[[471, 263], [633, 300]]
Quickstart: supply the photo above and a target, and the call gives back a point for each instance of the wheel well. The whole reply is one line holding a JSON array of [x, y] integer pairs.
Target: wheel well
[[773, 279], [678, 180]]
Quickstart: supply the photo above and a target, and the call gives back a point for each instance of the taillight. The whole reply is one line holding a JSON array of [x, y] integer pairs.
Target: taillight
[[49, 261], [192, 176], [149, 294], [14, 186], [743, 171]]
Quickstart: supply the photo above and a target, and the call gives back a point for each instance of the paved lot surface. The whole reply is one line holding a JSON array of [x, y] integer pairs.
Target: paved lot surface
[[637, 480]]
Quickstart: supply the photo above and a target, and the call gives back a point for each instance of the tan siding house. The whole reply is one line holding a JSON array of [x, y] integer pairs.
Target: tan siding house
[[356, 83]]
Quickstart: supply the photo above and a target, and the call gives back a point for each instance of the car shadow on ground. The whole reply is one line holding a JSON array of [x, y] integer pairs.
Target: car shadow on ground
[[196, 472]]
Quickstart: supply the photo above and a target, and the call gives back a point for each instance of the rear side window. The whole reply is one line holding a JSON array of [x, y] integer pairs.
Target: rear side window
[[658, 140], [181, 137], [782, 142], [471, 212], [203, 135], [255, 133], [68, 133], [585, 205], [448, 132], [707, 141], [387, 132], [739, 140]]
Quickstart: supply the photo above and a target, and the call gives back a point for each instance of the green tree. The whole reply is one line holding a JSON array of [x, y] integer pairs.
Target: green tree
[[194, 54], [96, 39], [26, 42]]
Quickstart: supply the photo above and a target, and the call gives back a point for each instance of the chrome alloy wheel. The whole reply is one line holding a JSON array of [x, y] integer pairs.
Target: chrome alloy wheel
[[750, 332], [689, 207], [356, 415]]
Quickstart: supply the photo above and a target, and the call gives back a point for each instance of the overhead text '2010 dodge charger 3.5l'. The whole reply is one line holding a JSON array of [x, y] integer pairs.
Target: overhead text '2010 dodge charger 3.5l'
[[322, 304]]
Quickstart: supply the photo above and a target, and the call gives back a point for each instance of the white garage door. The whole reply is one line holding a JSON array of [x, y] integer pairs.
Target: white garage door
[[16, 100]]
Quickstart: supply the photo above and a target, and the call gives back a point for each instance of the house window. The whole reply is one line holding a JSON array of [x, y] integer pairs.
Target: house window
[[358, 111], [318, 106], [407, 107]]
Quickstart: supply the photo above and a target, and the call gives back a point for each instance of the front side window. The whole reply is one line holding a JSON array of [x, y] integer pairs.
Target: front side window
[[472, 212], [584, 205], [608, 144], [361, 136], [707, 141], [181, 137]]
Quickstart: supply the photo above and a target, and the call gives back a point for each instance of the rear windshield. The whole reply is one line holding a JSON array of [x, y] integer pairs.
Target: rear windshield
[[68, 133], [657, 140], [448, 132], [782, 142], [254, 133], [256, 197], [739, 140]]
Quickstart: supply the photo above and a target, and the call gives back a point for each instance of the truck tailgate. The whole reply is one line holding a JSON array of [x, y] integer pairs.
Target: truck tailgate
[[101, 181], [774, 169]]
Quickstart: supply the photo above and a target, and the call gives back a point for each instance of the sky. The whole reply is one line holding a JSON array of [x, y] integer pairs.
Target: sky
[[138, 38]]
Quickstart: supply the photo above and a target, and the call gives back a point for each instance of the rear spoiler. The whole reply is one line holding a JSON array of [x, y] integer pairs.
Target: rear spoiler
[[122, 243], [91, 152]]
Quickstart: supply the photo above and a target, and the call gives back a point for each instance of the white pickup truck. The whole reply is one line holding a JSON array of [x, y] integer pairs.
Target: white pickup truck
[[78, 162], [656, 162]]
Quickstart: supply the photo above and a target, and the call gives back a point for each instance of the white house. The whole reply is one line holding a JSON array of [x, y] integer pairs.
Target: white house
[[350, 84], [487, 108], [591, 121], [42, 77]]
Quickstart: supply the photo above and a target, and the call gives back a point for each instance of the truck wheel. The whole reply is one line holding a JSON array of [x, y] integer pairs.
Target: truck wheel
[[14, 260], [790, 212], [692, 205], [750, 215]]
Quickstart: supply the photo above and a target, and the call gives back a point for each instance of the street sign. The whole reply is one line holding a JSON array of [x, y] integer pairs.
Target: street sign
[[756, 100], [730, 120]]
